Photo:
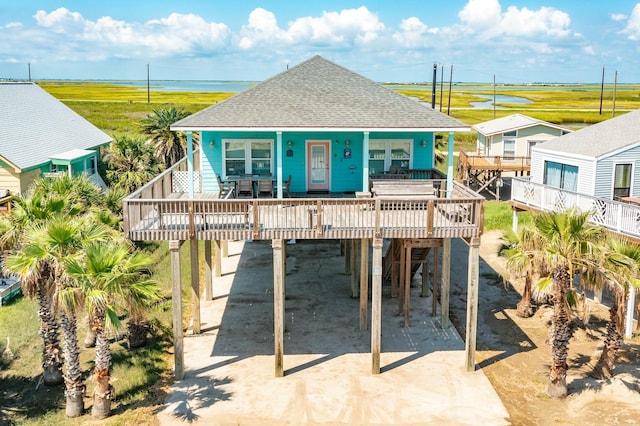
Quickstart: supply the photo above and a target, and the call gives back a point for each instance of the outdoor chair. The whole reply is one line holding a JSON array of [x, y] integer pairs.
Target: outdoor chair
[[265, 187], [245, 187], [285, 188], [227, 189]]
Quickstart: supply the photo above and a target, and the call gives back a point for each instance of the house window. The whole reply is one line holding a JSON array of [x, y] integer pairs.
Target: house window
[[248, 157], [562, 176], [91, 165], [509, 145], [386, 153], [622, 181]]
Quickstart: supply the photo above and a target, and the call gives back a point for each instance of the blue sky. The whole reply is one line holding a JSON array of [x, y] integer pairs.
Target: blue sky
[[518, 41]]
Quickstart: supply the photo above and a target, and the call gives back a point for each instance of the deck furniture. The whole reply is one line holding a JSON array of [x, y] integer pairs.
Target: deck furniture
[[265, 187], [245, 187], [227, 189]]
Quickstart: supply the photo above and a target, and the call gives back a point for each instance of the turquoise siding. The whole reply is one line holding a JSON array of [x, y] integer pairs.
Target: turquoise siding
[[345, 171]]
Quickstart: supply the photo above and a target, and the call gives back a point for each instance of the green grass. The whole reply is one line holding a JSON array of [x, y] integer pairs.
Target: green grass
[[498, 216], [141, 376]]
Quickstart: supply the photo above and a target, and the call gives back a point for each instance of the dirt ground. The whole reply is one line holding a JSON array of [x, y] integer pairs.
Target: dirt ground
[[514, 354]]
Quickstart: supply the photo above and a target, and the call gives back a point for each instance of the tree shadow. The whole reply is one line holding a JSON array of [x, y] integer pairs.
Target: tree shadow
[[27, 397]]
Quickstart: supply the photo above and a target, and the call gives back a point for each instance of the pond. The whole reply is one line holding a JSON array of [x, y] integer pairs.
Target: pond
[[499, 99]]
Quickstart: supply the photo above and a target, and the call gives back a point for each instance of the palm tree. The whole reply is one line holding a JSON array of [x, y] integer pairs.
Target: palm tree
[[169, 146], [520, 249], [620, 273], [572, 246], [131, 162], [111, 276], [49, 247], [27, 213]]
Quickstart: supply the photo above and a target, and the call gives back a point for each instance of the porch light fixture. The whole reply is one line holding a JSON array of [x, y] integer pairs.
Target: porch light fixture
[[423, 143], [212, 143], [290, 144], [347, 143]]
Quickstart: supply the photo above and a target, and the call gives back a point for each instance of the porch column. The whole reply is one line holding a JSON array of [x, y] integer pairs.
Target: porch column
[[217, 259], [195, 286], [631, 309], [176, 302], [365, 162], [514, 220], [208, 271], [278, 304], [190, 163], [450, 165], [376, 305], [364, 282], [472, 304], [354, 268], [446, 281], [280, 157]]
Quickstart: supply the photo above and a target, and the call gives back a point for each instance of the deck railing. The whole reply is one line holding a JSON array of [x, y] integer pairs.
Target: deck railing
[[623, 218], [493, 162], [158, 212]]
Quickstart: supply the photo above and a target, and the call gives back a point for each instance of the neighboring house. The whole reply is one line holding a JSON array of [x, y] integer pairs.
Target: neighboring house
[[600, 160], [41, 135], [326, 126], [514, 135], [594, 169]]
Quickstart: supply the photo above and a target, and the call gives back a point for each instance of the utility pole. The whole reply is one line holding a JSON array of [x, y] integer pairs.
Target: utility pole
[[29, 66], [441, 83], [494, 96], [449, 101], [601, 90], [148, 89], [615, 82], [433, 86]]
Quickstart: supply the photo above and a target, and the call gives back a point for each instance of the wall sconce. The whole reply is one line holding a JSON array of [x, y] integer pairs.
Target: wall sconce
[[290, 144], [212, 143], [423, 143], [347, 143]]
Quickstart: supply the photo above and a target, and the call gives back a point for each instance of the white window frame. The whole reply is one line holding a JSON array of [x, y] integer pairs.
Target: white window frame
[[631, 177], [248, 164], [511, 137], [387, 153]]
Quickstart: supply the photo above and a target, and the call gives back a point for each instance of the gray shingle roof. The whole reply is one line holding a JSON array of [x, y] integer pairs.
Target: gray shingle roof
[[34, 125], [599, 139], [322, 95], [510, 123]]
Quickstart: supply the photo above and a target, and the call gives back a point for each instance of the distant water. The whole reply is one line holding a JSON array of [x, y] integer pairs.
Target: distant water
[[184, 85]]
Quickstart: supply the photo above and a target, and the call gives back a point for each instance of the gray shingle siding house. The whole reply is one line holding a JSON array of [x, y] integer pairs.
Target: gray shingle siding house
[[326, 126], [600, 160], [39, 134]]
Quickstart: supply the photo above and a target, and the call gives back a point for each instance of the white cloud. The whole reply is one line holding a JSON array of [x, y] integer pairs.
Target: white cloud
[[60, 20], [632, 30], [347, 27], [414, 33], [13, 25], [618, 17], [481, 14]]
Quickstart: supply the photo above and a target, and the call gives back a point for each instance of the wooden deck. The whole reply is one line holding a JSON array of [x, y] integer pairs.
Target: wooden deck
[[484, 172], [158, 212]]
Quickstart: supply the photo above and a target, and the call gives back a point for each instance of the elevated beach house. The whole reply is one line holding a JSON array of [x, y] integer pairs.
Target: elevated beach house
[[503, 146], [41, 135], [594, 169], [302, 155]]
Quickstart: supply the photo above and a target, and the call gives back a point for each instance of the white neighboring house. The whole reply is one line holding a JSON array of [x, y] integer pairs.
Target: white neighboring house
[[41, 135], [593, 169], [514, 135], [600, 160]]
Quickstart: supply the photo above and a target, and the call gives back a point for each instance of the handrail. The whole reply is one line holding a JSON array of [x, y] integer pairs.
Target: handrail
[[304, 218], [620, 217]]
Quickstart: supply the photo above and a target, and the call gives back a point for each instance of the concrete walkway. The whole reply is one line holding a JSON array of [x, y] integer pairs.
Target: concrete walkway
[[229, 368]]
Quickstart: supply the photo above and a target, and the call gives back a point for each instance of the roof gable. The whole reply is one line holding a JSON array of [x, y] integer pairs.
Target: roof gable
[[34, 126], [319, 94], [511, 123], [601, 139]]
